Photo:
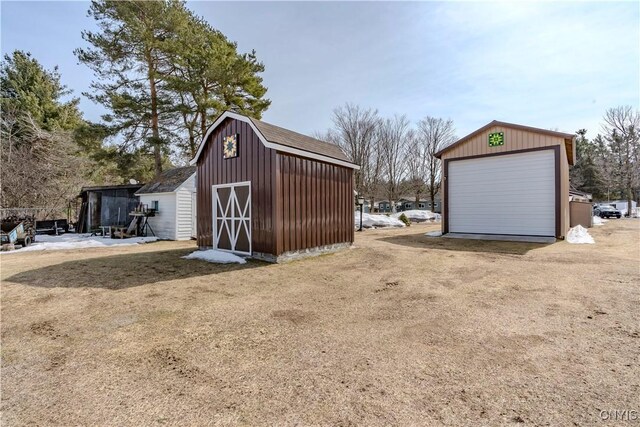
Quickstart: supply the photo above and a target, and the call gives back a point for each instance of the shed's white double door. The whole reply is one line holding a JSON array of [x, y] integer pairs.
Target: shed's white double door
[[232, 217]]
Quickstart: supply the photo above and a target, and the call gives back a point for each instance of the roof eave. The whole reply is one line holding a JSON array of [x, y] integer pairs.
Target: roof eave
[[268, 144], [508, 125]]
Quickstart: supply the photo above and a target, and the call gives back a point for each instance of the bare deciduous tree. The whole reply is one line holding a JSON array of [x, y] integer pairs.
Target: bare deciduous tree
[[355, 131], [392, 141], [416, 165], [40, 169], [434, 134], [622, 131]]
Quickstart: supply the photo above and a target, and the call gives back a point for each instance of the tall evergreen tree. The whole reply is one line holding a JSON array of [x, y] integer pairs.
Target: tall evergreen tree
[[586, 174], [128, 56], [209, 76], [27, 88]]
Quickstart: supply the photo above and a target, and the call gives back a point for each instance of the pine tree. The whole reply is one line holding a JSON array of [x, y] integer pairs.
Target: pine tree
[[27, 88], [209, 76], [129, 60], [586, 174]]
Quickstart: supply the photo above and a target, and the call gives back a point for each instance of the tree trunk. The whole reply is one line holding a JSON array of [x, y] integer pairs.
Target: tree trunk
[[155, 128], [192, 143], [203, 123], [432, 195], [203, 112]]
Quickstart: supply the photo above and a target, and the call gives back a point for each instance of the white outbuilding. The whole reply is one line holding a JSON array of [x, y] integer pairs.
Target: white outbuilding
[[623, 207], [172, 195]]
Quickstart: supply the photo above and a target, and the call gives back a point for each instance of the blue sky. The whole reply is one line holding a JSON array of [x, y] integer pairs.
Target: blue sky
[[555, 65]]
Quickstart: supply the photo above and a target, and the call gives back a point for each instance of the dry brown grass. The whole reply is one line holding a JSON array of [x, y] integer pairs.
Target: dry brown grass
[[402, 330]]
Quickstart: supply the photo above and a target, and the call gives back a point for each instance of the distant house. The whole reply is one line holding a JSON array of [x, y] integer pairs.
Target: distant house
[[106, 205], [579, 195], [384, 206], [172, 195], [409, 203]]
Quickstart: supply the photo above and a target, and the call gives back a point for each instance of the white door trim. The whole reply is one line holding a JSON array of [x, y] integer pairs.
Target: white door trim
[[244, 216]]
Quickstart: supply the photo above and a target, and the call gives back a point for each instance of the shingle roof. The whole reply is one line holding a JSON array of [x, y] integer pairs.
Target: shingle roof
[[292, 139], [168, 180]]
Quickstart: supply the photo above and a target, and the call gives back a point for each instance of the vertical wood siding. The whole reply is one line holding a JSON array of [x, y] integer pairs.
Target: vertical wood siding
[[297, 203], [515, 139], [255, 163], [315, 204]]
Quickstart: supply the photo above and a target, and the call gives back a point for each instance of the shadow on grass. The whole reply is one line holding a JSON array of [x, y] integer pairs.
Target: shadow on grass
[[125, 271], [419, 240]]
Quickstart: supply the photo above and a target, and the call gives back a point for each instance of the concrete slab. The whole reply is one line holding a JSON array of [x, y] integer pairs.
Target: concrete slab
[[501, 237]]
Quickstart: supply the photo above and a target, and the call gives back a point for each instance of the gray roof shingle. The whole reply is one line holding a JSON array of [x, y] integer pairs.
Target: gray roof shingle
[[292, 139], [168, 180]]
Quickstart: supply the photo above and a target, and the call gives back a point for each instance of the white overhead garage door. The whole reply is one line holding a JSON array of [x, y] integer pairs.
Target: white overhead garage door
[[506, 194]]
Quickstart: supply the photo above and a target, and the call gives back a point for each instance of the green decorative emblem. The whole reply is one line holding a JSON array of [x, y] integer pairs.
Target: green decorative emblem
[[230, 146], [496, 139]]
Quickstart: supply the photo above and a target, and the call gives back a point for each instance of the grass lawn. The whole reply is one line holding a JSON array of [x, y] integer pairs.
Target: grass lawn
[[403, 329]]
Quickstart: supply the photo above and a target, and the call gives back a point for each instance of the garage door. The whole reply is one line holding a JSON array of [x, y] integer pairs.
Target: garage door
[[507, 194]]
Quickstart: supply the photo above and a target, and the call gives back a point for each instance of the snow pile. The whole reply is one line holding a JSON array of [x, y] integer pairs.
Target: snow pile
[[376, 221], [78, 241], [579, 235], [598, 221], [217, 257], [433, 234], [418, 216]]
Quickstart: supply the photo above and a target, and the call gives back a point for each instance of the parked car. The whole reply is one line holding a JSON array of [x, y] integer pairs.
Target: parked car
[[607, 212]]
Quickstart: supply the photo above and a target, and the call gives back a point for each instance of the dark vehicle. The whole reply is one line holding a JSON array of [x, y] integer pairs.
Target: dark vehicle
[[607, 212]]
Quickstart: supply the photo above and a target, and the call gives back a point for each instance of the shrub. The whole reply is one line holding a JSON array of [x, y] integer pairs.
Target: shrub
[[404, 219]]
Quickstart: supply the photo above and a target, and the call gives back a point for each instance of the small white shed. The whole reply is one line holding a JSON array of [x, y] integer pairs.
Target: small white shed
[[173, 195]]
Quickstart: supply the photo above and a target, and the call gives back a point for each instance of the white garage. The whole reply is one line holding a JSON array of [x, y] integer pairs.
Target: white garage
[[507, 180], [509, 194]]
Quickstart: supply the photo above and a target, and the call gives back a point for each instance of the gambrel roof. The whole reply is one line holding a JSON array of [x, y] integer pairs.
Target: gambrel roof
[[285, 140]]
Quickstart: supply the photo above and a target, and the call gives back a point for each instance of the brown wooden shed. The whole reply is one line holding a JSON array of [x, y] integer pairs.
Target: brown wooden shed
[[508, 180], [271, 193]]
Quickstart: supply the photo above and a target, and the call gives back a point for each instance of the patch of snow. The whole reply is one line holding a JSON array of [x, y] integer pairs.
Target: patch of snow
[[599, 221], [78, 241], [579, 235], [433, 234], [215, 256], [376, 221], [418, 215]]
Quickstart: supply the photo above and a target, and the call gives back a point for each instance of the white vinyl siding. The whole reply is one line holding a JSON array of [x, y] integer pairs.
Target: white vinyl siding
[[175, 217], [163, 223], [185, 218], [507, 194], [184, 215]]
